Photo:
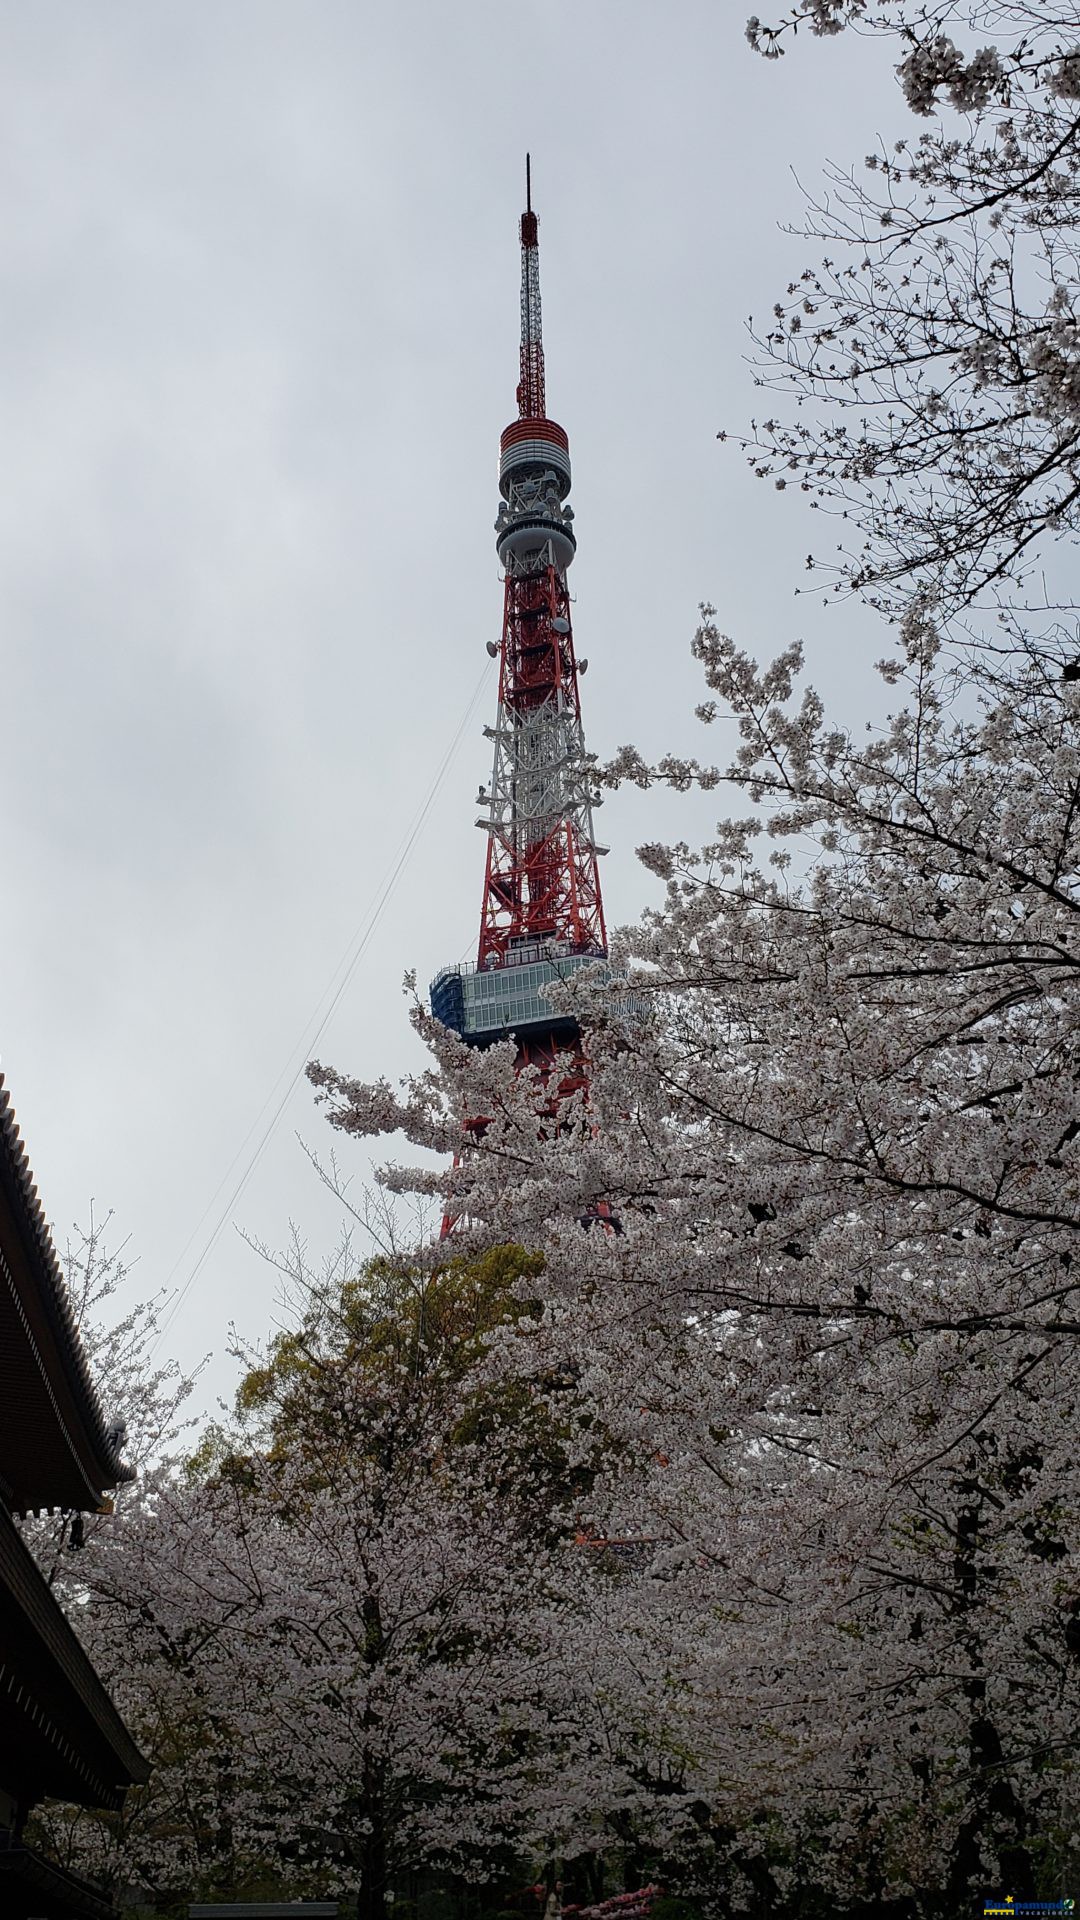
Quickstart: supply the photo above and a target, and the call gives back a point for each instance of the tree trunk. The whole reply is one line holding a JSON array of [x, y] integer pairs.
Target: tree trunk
[[371, 1894]]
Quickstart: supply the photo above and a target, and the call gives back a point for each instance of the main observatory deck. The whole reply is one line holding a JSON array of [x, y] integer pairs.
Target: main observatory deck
[[489, 1005]]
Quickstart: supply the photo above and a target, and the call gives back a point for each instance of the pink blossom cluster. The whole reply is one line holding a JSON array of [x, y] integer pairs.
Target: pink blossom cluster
[[621, 1906]]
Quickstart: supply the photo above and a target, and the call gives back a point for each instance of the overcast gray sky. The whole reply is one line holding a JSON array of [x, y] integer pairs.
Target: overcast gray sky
[[258, 338]]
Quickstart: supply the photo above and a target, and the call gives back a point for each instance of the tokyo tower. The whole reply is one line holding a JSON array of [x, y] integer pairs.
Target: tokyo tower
[[542, 915]]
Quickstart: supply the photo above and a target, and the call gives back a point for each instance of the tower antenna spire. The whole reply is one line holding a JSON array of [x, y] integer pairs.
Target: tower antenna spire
[[530, 393]]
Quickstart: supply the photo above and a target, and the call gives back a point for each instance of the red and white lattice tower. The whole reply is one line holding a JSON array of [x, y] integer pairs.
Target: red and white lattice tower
[[542, 915]]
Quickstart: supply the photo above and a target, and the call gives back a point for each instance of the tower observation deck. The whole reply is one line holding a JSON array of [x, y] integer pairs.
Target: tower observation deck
[[542, 916]]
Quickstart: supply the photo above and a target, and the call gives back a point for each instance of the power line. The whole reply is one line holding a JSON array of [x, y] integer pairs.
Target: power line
[[308, 1039]]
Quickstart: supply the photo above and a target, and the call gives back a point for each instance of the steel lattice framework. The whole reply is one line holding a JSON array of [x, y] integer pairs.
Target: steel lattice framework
[[542, 881]]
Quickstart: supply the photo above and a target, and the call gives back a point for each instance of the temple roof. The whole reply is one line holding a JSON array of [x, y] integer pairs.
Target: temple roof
[[56, 1449], [60, 1734]]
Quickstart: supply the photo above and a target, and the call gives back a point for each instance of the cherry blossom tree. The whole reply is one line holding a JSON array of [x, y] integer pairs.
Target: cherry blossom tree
[[354, 1632], [836, 1323], [932, 351], [146, 1398]]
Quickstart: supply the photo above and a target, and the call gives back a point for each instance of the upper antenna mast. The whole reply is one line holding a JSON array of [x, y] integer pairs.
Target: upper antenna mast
[[530, 393]]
